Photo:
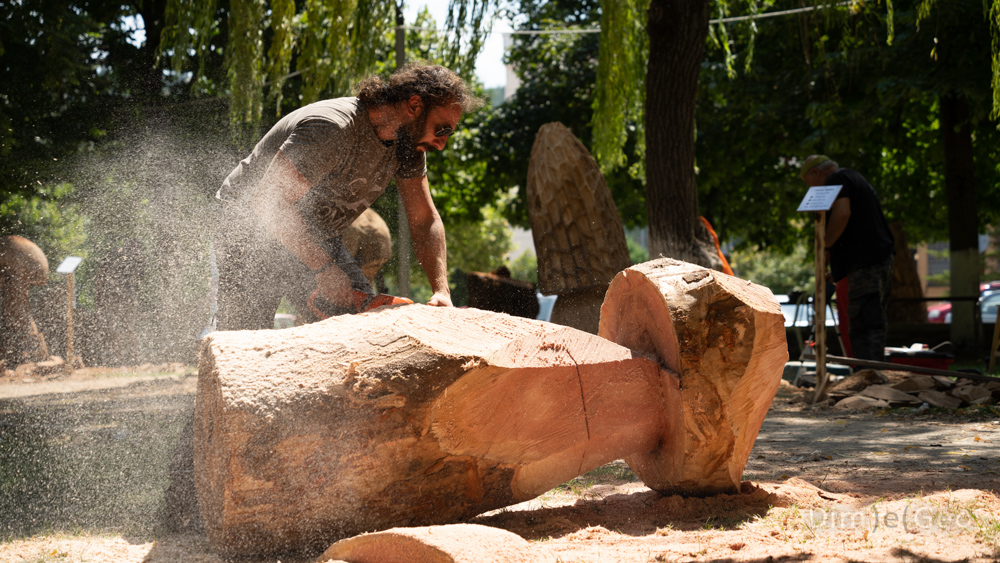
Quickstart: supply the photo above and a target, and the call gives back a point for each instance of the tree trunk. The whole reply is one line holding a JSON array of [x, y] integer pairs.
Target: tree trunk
[[724, 338], [963, 221], [905, 305], [677, 32], [405, 416]]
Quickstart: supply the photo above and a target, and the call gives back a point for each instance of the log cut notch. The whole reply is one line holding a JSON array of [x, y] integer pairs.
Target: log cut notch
[[405, 416], [722, 340]]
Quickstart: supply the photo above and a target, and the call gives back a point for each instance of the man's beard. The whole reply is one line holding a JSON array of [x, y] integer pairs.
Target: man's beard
[[406, 138]]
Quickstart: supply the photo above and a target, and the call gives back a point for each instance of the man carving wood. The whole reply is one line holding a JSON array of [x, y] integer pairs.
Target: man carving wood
[[286, 205]]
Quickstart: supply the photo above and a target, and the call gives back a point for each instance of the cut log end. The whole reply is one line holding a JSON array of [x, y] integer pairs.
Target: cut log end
[[724, 338]]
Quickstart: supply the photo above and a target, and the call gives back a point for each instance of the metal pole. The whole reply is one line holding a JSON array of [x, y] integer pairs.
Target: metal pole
[[69, 320], [403, 247], [907, 368]]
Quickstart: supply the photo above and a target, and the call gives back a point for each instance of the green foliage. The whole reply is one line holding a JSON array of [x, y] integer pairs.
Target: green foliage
[[637, 253], [47, 218], [329, 45], [525, 267], [781, 272], [558, 73], [828, 83], [479, 246], [621, 80]]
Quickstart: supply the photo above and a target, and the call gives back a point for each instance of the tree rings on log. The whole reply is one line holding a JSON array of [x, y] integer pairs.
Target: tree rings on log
[[724, 339]]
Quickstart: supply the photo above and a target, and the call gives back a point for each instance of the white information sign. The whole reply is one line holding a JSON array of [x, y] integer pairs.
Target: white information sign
[[819, 198], [69, 265]]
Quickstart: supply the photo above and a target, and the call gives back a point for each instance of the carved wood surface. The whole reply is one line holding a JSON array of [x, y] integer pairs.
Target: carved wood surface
[[405, 416], [579, 239], [724, 339]]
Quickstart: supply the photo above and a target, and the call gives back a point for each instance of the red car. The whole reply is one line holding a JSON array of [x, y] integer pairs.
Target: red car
[[941, 313]]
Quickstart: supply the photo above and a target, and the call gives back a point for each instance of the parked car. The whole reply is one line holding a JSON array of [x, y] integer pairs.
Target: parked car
[[941, 313], [988, 307]]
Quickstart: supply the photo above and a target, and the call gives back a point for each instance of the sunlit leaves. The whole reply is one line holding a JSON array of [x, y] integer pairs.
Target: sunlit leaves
[[621, 79]]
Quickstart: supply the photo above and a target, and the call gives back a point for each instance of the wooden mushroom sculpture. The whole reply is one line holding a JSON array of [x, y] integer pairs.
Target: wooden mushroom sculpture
[[22, 265], [368, 239], [578, 235]]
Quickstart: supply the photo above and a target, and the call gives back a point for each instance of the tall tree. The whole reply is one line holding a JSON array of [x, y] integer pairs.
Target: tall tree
[[557, 73], [620, 93], [328, 45]]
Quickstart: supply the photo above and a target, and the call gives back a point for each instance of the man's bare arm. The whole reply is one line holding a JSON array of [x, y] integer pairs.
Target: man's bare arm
[[840, 213], [428, 236]]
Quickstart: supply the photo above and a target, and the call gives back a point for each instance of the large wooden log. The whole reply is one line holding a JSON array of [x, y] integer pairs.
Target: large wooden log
[[405, 416], [722, 340]]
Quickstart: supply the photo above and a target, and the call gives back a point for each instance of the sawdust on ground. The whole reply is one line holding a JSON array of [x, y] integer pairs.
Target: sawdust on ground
[[91, 451]]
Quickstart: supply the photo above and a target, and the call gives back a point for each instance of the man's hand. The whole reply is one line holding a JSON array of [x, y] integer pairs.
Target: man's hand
[[335, 286], [440, 299]]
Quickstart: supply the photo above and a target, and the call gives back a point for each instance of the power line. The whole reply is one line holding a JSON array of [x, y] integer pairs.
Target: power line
[[713, 21]]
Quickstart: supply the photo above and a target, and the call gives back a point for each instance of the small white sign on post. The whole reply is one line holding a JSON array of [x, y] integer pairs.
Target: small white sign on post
[[819, 198], [69, 265]]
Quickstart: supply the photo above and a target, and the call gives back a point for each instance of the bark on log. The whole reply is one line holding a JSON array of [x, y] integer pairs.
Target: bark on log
[[724, 339], [457, 543], [405, 416]]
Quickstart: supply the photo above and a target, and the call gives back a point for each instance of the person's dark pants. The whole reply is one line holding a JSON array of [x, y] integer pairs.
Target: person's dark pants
[[256, 271], [868, 295]]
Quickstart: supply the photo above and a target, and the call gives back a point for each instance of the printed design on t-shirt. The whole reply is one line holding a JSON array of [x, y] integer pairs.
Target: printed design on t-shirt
[[336, 209]]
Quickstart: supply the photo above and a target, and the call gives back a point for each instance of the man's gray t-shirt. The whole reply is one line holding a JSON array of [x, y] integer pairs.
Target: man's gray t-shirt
[[333, 145]]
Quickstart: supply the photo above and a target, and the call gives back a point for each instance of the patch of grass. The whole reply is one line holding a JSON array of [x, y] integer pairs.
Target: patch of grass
[[612, 472], [987, 531], [576, 486], [49, 556], [665, 530]]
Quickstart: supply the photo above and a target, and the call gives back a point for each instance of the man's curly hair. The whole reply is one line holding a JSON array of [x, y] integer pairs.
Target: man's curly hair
[[436, 85]]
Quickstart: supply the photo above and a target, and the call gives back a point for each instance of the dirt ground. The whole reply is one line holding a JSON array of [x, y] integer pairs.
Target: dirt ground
[[83, 467]]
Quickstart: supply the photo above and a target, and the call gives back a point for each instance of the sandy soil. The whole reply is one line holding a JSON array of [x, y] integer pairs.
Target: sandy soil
[[83, 467]]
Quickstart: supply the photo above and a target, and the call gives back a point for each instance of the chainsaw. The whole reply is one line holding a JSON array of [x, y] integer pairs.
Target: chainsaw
[[363, 302]]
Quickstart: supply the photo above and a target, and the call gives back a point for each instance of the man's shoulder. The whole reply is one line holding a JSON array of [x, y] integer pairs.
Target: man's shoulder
[[846, 174], [849, 179], [342, 111]]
